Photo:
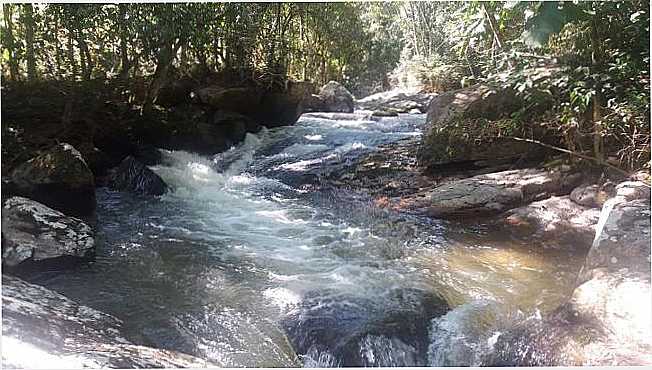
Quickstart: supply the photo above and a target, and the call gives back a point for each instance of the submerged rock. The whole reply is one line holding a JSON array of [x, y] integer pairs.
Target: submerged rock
[[556, 218], [336, 98], [343, 330], [607, 319], [58, 178], [131, 175], [34, 232], [337, 116], [230, 337], [384, 113], [493, 193], [44, 329]]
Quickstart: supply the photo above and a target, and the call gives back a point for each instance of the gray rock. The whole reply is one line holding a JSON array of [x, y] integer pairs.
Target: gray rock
[[336, 98], [494, 193], [587, 195], [33, 231], [58, 178], [44, 329], [402, 101], [632, 190], [131, 175], [557, 218]]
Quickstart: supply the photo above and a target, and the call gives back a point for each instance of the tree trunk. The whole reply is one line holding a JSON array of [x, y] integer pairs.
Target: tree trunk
[[165, 58], [492, 24], [85, 57], [71, 56], [124, 55], [29, 41], [58, 52], [9, 42]]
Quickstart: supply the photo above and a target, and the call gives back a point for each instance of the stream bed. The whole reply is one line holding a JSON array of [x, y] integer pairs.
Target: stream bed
[[253, 261]]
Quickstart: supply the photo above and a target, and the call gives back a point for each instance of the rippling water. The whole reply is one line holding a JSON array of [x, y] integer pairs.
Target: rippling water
[[249, 261]]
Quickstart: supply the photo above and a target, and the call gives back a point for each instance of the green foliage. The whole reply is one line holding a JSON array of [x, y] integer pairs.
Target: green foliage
[[549, 19], [580, 68]]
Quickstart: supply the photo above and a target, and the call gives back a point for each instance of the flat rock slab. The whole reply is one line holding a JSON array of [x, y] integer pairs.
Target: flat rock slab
[[494, 192], [31, 230], [44, 329]]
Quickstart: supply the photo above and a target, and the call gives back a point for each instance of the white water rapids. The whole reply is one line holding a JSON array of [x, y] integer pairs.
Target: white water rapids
[[251, 261]]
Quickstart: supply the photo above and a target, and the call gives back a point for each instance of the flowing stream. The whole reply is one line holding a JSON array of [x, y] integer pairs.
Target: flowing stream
[[251, 260]]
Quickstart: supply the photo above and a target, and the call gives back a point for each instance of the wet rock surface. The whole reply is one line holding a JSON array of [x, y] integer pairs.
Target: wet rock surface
[[132, 175], [389, 172], [32, 231], [41, 328], [58, 178], [225, 336], [345, 330]]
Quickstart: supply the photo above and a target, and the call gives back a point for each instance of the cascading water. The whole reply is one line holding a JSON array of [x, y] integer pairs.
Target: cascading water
[[250, 261]]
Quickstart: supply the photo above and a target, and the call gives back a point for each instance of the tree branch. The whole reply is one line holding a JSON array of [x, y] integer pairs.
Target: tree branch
[[576, 154]]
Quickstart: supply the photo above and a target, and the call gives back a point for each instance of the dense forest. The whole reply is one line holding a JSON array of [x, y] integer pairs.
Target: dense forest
[[597, 97], [337, 184]]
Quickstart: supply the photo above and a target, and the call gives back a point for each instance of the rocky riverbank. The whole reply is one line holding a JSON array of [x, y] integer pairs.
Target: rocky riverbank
[[605, 215], [59, 144]]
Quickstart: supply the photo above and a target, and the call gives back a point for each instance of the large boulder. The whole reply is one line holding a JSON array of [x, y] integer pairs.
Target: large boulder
[[278, 109], [494, 192], [58, 178], [44, 329], [132, 175], [269, 109], [235, 99], [460, 125], [32, 231], [336, 98], [606, 321]]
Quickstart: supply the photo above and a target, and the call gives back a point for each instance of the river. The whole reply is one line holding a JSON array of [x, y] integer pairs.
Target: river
[[251, 260]]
